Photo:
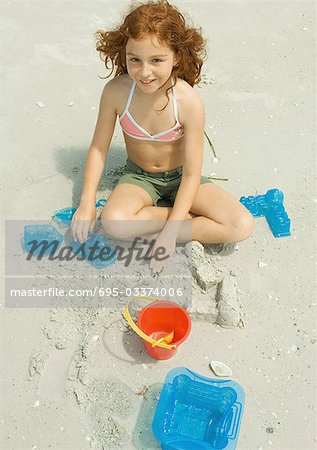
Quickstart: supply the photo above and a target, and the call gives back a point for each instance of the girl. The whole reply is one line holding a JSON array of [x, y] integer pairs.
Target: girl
[[158, 60]]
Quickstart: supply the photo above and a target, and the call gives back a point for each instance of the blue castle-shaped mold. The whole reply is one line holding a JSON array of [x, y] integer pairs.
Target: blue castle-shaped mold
[[195, 412]]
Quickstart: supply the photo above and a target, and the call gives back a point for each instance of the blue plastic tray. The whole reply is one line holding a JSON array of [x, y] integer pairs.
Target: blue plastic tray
[[198, 413]]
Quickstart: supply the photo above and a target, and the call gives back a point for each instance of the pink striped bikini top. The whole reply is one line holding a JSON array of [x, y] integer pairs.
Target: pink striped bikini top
[[133, 129]]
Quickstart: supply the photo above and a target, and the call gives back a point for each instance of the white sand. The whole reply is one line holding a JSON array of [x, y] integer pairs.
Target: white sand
[[77, 379]]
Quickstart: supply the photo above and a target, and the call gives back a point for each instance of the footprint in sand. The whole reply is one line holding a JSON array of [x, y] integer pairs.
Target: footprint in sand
[[110, 405]]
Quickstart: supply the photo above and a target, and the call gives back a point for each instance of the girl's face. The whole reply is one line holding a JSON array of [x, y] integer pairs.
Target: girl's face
[[149, 63]]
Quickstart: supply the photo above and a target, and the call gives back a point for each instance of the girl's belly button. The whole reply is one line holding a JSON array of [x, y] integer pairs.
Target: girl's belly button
[[157, 165]]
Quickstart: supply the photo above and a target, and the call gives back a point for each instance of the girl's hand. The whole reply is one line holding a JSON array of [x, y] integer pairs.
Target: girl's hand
[[83, 221], [167, 241]]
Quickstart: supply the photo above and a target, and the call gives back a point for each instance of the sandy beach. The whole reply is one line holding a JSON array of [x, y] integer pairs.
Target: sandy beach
[[80, 378]]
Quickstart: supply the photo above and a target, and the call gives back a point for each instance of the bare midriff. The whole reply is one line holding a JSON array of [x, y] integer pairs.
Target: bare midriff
[[155, 156]]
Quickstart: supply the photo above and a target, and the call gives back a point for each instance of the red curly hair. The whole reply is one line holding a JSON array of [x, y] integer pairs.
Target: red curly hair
[[163, 20]]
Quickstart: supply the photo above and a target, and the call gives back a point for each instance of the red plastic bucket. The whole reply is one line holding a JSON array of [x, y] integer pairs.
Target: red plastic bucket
[[160, 318]]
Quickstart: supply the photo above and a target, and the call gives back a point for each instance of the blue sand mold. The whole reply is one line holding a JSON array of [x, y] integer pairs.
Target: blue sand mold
[[270, 205], [196, 412], [103, 242], [40, 233], [64, 216]]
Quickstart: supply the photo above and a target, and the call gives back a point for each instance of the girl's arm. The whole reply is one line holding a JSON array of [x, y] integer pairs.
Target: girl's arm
[[84, 217], [193, 119]]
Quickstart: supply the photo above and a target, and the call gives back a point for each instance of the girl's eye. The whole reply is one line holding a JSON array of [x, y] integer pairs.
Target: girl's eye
[[134, 60], [157, 60]]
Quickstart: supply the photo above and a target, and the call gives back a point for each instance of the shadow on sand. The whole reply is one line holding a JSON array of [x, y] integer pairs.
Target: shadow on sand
[[143, 437], [71, 163]]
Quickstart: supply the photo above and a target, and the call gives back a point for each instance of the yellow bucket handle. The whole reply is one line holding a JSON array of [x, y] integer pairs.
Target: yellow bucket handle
[[135, 328]]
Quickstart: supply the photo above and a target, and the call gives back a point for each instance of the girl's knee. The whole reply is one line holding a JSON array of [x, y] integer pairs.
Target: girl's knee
[[242, 226], [116, 223]]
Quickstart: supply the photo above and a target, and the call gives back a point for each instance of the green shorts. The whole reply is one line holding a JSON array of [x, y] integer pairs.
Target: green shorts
[[162, 186]]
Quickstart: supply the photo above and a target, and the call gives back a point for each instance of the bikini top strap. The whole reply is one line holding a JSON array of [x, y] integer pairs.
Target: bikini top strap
[[175, 102], [129, 99]]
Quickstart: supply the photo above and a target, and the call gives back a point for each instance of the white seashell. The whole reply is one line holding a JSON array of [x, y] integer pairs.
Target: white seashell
[[40, 104], [262, 264], [220, 369]]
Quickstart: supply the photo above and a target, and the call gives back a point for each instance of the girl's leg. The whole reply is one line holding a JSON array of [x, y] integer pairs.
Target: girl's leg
[[220, 217], [217, 217], [129, 213]]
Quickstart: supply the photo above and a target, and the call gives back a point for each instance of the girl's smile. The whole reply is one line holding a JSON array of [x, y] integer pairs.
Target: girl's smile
[[147, 82]]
